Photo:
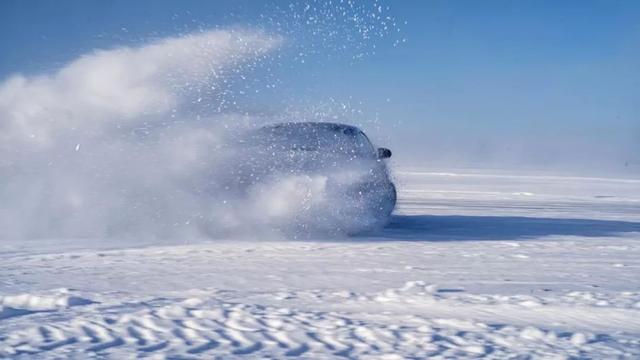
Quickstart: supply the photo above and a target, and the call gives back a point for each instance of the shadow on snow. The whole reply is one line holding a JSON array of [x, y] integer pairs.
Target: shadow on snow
[[458, 227]]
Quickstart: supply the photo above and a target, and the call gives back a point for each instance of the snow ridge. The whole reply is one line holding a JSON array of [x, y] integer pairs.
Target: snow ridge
[[205, 327]]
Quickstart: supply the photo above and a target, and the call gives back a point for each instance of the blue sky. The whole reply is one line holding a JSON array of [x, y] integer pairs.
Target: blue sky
[[533, 84]]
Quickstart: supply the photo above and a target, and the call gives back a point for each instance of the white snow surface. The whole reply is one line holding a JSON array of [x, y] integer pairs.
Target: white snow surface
[[473, 264]]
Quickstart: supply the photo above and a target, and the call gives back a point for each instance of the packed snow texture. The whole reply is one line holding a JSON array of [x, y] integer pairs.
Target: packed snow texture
[[472, 265]]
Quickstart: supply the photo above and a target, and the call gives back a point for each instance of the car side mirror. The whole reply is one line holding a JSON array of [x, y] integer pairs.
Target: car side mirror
[[384, 153]]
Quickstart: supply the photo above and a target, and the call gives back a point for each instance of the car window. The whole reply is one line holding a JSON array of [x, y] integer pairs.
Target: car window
[[364, 148], [349, 141]]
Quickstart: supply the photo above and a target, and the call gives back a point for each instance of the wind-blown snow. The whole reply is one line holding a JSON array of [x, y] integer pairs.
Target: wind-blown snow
[[132, 142], [106, 145]]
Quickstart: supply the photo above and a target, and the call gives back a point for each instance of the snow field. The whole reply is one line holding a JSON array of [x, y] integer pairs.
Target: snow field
[[446, 279]]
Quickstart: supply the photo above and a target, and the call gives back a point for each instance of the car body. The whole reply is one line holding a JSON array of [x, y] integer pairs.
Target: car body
[[355, 178]]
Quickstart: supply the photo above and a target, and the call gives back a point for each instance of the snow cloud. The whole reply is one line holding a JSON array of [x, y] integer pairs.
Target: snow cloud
[[106, 145], [121, 86], [135, 143]]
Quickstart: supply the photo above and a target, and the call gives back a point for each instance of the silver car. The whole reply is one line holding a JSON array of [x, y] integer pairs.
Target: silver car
[[356, 172]]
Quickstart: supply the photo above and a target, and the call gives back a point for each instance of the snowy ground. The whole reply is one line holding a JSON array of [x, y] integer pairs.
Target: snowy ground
[[472, 265]]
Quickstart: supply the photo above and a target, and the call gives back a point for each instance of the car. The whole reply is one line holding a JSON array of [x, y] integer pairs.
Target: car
[[357, 191]]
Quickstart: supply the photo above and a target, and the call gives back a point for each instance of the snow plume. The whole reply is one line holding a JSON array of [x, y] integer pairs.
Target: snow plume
[[132, 142], [107, 145]]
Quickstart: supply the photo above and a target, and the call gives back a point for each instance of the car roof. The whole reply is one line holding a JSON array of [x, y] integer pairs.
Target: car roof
[[311, 125]]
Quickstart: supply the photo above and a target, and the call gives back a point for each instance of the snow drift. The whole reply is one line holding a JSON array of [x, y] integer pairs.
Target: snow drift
[[110, 145]]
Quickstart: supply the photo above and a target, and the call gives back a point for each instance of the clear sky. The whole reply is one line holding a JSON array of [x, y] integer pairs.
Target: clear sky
[[533, 84]]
